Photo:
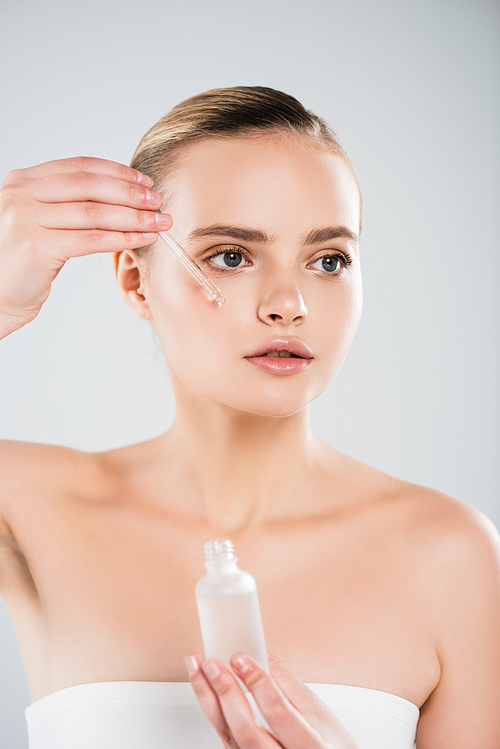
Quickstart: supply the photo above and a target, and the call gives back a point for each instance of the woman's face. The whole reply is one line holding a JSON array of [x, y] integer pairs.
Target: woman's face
[[283, 217]]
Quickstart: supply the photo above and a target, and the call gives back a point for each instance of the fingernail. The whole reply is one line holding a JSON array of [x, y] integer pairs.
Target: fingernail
[[154, 197], [145, 180], [163, 220], [191, 664], [243, 663], [211, 669]]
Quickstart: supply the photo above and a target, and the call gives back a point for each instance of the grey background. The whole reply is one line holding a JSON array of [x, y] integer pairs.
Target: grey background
[[412, 89]]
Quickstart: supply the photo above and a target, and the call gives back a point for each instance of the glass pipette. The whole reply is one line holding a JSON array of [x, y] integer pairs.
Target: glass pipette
[[209, 286]]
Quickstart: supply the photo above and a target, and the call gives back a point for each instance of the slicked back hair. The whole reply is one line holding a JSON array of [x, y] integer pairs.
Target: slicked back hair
[[222, 113]]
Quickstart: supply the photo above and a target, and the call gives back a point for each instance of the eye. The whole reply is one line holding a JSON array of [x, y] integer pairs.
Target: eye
[[331, 263], [230, 257]]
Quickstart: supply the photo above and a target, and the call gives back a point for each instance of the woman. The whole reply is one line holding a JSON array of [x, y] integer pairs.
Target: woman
[[380, 595]]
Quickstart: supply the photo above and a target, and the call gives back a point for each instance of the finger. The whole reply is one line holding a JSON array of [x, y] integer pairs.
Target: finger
[[89, 215], [308, 703], [288, 724], [79, 186], [85, 164], [295, 689], [236, 708], [207, 698], [67, 244]]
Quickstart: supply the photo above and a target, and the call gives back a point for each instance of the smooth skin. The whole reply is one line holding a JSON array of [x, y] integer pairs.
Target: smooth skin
[[401, 583]]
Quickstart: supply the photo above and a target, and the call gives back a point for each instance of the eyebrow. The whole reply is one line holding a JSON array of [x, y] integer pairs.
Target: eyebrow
[[238, 232], [316, 236], [332, 232]]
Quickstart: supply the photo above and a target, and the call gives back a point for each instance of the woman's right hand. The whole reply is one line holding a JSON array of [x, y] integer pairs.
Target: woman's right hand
[[62, 209]]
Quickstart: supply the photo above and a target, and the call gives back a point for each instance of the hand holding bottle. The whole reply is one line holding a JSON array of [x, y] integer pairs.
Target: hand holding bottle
[[297, 717], [63, 209]]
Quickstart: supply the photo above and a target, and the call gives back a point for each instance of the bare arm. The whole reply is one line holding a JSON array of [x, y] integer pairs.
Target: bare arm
[[50, 213], [463, 712], [16, 473]]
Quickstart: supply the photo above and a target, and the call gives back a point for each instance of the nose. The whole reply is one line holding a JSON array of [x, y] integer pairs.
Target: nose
[[283, 303]]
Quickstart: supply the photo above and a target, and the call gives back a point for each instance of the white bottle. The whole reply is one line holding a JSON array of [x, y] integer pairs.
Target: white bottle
[[228, 608]]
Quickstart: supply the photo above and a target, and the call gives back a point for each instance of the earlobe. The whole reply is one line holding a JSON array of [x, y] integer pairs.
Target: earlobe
[[130, 280]]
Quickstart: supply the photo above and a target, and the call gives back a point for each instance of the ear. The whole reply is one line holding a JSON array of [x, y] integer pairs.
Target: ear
[[130, 277], [116, 258]]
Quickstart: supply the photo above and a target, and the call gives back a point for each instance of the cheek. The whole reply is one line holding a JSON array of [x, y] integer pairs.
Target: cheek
[[198, 336], [205, 343], [336, 313]]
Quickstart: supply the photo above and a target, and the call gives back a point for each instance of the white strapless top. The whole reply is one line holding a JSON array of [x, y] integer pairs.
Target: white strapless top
[[167, 715]]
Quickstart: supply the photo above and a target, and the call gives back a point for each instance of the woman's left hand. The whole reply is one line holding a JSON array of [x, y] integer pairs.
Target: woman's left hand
[[299, 719]]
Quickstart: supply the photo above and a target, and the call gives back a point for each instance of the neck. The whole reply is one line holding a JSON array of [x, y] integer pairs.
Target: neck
[[233, 470]]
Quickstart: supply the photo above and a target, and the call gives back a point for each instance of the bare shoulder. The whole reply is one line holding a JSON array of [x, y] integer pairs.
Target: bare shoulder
[[30, 472], [454, 537], [451, 540], [457, 554], [449, 553], [453, 553], [448, 543], [443, 528]]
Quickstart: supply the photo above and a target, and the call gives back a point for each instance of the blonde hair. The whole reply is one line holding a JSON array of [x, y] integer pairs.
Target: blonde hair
[[225, 112]]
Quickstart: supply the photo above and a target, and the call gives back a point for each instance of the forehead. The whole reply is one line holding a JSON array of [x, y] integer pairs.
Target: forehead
[[269, 181]]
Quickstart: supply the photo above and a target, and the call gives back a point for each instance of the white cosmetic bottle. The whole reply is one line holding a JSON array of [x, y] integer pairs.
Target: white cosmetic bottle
[[228, 608]]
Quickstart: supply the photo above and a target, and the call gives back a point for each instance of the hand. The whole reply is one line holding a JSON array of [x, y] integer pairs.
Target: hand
[[299, 719], [62, 209]]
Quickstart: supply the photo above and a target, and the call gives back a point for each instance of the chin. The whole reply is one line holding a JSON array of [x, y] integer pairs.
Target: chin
[[276, 413], [276, 400], [271, 407], [283, 397]]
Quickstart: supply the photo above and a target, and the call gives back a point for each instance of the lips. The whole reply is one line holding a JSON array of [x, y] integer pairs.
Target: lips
[[301, 357], [293, 346]]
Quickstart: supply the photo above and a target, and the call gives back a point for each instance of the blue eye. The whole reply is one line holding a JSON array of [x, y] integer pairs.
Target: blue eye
[[230, 259], [330, 263]]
